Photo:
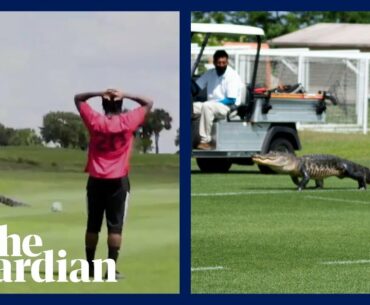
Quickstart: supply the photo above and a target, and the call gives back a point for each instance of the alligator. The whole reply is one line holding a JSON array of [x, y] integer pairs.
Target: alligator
[[315, 166], [11, 202]]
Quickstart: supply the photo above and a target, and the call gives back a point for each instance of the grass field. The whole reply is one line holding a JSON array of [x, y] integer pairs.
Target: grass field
[[150, 255], [254, 233]]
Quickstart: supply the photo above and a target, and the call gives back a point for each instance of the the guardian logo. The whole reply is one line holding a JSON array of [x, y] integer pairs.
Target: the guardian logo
[[45, 266]]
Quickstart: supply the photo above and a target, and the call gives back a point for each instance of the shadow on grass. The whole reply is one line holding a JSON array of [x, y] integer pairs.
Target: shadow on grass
[[263, 188], [231, 172], [293, 188]]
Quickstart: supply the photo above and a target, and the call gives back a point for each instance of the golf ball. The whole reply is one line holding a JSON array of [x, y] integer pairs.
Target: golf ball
[[56, 206]]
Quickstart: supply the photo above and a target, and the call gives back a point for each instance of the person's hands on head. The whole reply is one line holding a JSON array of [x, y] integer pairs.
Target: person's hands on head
[[118, 95], [109, 94]]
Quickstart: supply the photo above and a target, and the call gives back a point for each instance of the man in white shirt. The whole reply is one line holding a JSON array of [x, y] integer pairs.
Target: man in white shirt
[[223, 90]]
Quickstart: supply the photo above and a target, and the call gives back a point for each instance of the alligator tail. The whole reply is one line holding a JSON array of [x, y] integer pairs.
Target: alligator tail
[[367, 174]]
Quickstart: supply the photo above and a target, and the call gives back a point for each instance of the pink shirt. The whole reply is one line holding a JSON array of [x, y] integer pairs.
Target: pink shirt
[[111, 140]]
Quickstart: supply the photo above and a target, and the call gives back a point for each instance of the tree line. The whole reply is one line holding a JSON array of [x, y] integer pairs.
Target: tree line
[[277, 23], [67, 130], [24, 136]]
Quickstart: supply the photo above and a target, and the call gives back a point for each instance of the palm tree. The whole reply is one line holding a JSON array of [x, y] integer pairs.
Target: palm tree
[[177, 139], [158, 120], [143, 141]]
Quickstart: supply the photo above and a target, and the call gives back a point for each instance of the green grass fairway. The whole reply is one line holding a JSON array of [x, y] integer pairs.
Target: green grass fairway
[[150, 255], [255, 233]]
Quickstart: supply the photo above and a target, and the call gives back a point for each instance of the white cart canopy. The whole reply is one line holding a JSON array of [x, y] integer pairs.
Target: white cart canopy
[[225, 29]]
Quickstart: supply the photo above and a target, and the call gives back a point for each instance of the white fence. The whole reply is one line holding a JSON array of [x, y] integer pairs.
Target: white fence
[[345, 73]]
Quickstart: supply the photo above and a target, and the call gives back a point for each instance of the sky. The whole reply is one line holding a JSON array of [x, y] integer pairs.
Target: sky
[[48, 57]]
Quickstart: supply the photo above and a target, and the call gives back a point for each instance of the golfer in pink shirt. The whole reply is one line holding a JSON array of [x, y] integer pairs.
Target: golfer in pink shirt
[[108, 165]]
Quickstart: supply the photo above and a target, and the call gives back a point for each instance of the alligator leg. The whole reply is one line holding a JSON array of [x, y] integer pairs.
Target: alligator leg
[[319, 183], [358, 175], [304, 181], [362, 182], [295, 180]]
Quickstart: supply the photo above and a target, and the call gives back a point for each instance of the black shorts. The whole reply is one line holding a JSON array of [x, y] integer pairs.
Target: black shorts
[[109, 196]]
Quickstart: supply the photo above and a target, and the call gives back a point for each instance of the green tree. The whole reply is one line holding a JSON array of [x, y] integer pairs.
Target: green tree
[[143, 142], [25, 137], [6, 134], [276, 23], [259, 19], [157, 120], [177, 138], [65, 128]]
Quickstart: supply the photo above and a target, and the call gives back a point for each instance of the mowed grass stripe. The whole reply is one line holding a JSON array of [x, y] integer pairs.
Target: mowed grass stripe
[[195, 269], [338, 200], [264, 192], [360, 261]]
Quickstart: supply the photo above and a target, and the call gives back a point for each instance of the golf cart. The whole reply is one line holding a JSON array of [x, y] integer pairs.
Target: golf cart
[[264, 121]]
